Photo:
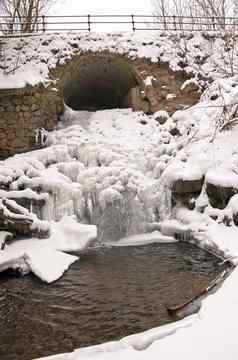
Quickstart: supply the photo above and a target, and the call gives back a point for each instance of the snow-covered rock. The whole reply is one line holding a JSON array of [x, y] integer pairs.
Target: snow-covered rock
[[46, 257]]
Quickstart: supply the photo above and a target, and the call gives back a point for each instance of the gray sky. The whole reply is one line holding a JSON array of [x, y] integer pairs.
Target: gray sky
[[97, 7], [79, 7]]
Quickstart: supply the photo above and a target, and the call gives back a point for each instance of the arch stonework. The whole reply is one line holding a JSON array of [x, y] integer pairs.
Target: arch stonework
[[23, 111]]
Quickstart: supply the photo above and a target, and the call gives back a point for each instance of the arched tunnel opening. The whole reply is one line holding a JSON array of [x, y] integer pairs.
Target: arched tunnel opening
[[100, 82]]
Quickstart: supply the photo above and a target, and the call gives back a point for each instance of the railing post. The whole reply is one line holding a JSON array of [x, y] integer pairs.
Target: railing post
[[213, 23], [174, 17], [164, 21], [133, 22], [192, 22], [89, 23], [43, 24]]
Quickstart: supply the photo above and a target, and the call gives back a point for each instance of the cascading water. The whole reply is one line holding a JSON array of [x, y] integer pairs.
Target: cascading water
[[120, 216], [164, 199]]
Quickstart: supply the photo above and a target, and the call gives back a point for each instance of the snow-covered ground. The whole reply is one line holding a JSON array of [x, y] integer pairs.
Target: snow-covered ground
[[117, 169]]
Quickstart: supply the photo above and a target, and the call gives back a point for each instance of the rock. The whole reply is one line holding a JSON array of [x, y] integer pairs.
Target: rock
[[161, 117], [143, 122], [235, 219], [219, 196], [186, 191], [136, 101], [18, 220], [190, 87], [214, 97], [151, 95], [175, 132], [182, 187], [5, 236]]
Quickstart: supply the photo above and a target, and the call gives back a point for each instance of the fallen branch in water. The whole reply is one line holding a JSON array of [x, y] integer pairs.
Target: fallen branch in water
[[173, 310]]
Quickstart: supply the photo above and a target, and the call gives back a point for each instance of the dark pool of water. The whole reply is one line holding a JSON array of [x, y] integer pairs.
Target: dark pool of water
[[108, 294]]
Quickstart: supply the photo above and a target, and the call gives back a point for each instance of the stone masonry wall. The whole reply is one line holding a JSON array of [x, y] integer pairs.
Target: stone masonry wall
[[22, 111]]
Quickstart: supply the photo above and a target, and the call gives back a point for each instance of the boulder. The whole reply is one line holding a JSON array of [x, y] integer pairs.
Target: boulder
[[5, 236], [190, 87], [161, 117], [182, 187], [219, 196]]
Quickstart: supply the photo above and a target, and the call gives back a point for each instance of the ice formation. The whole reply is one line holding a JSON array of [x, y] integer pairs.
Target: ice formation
[[120, 171]]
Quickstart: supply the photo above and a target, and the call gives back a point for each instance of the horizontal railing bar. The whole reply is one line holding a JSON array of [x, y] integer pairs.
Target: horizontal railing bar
[[58, 23], [129, 15], [178, 30], [116, 22], [19, 30]]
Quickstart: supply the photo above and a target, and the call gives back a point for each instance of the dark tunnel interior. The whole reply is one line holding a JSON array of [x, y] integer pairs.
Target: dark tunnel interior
[[98, 83]]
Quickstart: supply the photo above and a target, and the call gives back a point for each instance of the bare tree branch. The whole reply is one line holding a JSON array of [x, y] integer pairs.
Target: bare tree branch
[[23, 15]]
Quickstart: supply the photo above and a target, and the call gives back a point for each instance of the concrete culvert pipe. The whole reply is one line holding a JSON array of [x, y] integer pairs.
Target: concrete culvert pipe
[[94, 83]]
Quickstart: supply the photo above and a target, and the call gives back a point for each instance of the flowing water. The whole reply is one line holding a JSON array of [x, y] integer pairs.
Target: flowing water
[[108, 294]]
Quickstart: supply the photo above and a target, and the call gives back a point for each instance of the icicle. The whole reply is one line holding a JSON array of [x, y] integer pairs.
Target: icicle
[[41, 136]]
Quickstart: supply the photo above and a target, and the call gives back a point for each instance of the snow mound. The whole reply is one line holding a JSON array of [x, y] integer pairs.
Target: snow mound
[[45, 257]]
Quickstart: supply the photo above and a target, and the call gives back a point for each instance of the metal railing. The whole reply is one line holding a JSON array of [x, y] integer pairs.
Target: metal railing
[[46, 24]]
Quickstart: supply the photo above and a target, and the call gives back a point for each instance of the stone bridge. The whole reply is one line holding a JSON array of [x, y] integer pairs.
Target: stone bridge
[[84, 81]]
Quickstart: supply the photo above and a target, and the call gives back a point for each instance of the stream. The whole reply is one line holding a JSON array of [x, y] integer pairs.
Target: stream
[[109, 293]]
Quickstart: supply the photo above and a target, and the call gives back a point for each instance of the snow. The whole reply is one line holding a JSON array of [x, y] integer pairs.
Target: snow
[[26, 194], [46, 258], [40, 263], [144, 239], [69, 235], [113, 160], [28, 60], [148, 81], [222, 177]]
